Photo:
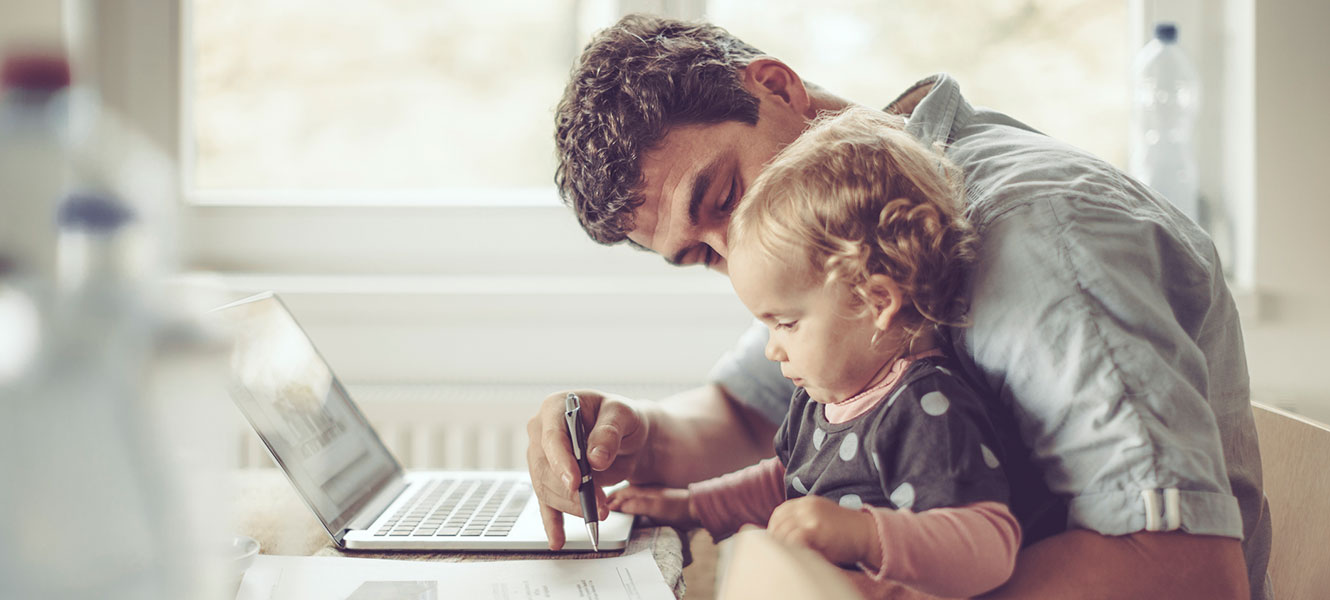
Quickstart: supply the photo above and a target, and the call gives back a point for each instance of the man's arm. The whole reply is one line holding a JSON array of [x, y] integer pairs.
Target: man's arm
[[1083, 564], [699, 434]]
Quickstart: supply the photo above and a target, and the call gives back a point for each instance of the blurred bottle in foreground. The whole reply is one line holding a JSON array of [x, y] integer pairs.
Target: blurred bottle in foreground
[[92, 504], [33, 159], [1166, 95], [33, 175]]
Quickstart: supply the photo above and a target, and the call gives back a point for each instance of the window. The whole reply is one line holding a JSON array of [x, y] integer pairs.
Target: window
[[1058, 65], [298, 101]]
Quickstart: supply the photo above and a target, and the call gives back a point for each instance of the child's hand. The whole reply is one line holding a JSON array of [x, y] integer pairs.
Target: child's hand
[[666, 505], [845, 536]]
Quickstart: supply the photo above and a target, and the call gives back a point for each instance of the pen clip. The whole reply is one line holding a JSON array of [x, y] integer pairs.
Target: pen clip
[[572, 415]]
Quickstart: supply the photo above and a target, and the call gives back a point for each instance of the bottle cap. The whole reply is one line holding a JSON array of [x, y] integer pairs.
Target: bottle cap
[[1166, 32], [93, 212], [34, 70]]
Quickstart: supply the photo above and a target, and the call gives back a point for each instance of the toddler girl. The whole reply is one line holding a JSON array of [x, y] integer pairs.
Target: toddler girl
[[851, 248]]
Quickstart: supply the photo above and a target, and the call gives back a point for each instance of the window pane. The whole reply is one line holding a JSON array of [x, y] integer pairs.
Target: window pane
[[453, 94], [1058, 65], [353, 94]]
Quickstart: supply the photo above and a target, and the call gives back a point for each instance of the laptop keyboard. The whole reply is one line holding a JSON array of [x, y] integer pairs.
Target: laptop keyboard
[[460, 507]]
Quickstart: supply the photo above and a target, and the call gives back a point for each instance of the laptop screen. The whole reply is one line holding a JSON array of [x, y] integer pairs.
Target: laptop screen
[[302, 412]]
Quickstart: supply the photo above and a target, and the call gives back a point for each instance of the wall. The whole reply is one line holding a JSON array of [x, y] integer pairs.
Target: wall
[[23, 22], [1288, 333]]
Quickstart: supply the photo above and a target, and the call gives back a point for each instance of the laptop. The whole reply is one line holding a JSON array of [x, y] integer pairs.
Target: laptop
[[340, 467]]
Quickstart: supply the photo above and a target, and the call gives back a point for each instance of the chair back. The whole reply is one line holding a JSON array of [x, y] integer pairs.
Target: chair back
[[1296, 477]]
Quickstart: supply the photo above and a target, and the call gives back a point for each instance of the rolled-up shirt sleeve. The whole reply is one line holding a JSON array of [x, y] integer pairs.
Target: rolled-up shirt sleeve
[[748, 376], [1085, 313]]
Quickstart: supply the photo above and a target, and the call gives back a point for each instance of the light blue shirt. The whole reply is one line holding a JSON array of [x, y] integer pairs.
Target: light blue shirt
[[1101, 318]]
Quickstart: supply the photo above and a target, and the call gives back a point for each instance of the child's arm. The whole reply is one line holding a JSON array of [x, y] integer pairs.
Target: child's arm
[[950, 552], [724, 504], [721, 504], [664, 505]]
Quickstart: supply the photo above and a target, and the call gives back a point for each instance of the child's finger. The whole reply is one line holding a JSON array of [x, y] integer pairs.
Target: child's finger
[[641, 505], [632, 506], [602, 504], [622, 494]]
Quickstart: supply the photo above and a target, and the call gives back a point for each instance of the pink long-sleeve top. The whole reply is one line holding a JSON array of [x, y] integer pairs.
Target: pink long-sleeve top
[[953, 552]]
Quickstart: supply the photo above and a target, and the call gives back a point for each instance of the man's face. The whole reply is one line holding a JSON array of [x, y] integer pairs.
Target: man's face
[[693, 181], [820, 334]]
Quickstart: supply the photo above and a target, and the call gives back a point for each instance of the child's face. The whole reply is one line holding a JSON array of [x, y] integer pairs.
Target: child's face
[[820, 333]]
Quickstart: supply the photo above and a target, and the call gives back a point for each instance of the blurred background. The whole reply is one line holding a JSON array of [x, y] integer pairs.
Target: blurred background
[[387, 168]]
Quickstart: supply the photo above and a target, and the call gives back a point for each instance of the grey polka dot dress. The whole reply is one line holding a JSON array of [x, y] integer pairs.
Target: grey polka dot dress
[[932, 443]]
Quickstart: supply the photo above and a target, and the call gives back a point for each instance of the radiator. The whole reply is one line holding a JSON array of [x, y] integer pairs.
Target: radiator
[[449, 426]]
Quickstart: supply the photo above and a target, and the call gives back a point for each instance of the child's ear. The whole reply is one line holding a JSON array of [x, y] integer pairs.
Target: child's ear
[[885, 298]]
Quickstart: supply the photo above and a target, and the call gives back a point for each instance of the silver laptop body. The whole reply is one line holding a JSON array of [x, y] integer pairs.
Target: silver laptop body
[[350, 480]]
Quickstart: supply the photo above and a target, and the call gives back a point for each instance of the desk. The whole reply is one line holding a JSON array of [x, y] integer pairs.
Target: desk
[[267, 509]]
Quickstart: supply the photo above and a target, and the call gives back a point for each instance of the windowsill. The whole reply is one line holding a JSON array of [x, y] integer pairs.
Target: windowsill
[[377, 198], [696, 283], [512, 328]]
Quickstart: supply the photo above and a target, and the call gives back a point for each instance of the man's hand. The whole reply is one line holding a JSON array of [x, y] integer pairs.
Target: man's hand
[[845, 536], [618, 433], [670, 506]]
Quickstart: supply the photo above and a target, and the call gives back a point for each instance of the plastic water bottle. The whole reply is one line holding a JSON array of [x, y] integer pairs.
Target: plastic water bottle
[[1165, 102], [33, 175], [34, 160]]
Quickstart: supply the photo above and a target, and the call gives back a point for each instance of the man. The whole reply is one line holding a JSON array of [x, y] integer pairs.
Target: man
[[1099, 315]]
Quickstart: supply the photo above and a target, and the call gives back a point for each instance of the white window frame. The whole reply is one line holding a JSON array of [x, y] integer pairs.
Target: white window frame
[[410, 231], [420, 274]]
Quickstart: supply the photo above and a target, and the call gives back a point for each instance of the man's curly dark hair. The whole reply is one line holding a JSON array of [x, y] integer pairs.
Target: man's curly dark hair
[[634, 82]]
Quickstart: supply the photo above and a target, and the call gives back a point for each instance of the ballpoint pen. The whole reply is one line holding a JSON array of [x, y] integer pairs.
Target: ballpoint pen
[[586, 489]]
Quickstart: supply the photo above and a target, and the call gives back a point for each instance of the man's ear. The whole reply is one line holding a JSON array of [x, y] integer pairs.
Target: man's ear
[[768, 76], [884, 298]]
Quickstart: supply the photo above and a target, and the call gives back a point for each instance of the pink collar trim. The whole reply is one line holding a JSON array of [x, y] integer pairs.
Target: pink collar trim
[[866, 400]]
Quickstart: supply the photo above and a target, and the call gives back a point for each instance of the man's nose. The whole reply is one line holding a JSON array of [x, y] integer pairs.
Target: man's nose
[[717, 237]]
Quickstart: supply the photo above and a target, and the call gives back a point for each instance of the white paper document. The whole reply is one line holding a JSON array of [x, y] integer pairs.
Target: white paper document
[[630, 577]]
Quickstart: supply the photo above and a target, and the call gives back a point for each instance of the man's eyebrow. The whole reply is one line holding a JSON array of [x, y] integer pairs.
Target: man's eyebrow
[[701, 184]]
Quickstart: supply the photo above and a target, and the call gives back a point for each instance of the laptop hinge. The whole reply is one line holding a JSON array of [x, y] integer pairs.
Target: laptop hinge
[[365, 516]]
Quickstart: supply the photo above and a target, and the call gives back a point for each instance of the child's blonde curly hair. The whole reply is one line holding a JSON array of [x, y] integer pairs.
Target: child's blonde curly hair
[[857, 195]]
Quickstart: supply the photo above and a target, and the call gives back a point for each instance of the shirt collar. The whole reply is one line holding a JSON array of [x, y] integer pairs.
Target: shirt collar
[[939, 113]]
